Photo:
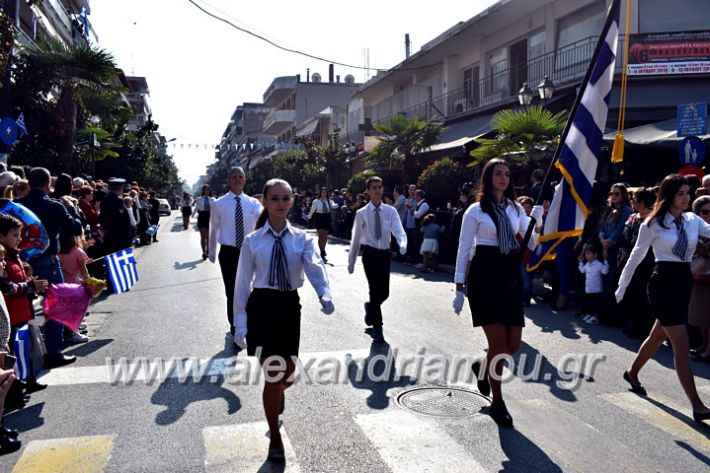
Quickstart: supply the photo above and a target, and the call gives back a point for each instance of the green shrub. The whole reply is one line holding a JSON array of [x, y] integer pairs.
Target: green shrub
[[442, 180], [356, 184]]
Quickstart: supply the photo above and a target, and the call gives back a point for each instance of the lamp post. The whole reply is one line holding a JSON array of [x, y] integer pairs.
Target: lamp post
[[546, 88], [525, 95]]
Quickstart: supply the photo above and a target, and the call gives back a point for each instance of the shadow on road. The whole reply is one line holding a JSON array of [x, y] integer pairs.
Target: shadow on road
[[27, 418], [523, 455], [189, 265], [378, 374], [703, 429], [548, 373], [177, 396], [88, 347], [703, 458]]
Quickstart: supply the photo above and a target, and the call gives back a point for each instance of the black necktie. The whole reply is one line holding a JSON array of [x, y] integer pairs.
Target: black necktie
[[681, 244], [378, 224], [278, 270], [238, 224]]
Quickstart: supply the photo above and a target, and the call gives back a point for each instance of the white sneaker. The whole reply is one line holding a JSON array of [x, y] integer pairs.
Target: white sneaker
[[419, 266], [82, 326], [77, 338], [592, 320]]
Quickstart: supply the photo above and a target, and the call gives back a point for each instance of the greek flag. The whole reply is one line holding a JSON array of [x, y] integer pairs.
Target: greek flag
[[122, 270], [21, 125], [580, 147], [152, 230]]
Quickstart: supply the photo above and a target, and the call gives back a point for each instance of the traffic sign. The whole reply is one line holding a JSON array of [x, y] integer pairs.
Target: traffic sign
[[692, 119], [691, 151]]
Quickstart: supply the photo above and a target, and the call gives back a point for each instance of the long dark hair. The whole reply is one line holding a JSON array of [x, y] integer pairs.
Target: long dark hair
[[485, 193], [670, 186], [264, 215], [202, 192]]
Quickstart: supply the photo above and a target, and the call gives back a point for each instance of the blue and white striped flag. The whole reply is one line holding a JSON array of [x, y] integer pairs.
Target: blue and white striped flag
[[580, 147], [122, 270], [153, 229], [21, 125]]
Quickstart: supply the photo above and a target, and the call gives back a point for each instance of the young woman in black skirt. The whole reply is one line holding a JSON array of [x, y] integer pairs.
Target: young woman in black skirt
[[673, 235], [322, 208], [267, 311], [493, 283], [203, 218]]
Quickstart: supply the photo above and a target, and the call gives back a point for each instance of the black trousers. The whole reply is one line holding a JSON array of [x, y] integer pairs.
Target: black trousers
[[228, 262], [377, 270]]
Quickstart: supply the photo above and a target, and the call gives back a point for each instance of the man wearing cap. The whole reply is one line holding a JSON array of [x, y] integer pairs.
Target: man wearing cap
[[114, 219], [232, 217]]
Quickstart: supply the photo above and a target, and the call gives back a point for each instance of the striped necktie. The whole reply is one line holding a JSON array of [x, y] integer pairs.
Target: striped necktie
[[681, 244], [378, 224], [278, 270], [238, 224]]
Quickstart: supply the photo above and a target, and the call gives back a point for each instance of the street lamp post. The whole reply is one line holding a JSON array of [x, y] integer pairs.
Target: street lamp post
[[546, 88], [525, 95]]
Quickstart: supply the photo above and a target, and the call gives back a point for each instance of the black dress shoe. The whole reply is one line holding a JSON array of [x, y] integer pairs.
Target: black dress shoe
[[12, 433], [701, 416], [8, 444], [499, 413], [635, 388], [58, 360], [484, 386], [33, 386]]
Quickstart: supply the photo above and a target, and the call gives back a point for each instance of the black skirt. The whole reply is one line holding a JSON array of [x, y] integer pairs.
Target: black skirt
[[203, 219], [322, 221], [495, 289], [273, 323], [669, 292], [186, 210]]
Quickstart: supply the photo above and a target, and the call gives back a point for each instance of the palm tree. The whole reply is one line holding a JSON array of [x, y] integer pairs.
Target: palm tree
[[75, 69], [403, 139], [526, 132]]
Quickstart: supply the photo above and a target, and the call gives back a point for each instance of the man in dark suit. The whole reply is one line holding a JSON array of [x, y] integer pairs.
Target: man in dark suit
[[114, 219]]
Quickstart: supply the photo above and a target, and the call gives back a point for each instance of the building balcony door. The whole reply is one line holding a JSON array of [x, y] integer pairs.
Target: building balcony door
[[518, 54]]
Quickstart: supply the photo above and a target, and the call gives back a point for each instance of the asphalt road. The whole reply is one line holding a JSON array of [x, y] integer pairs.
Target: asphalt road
[[343, 414]]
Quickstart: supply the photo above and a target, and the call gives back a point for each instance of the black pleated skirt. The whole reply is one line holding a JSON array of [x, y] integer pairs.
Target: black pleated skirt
[[203, 219], [495, 289], [322, 221], [273, 323], [669, 292]]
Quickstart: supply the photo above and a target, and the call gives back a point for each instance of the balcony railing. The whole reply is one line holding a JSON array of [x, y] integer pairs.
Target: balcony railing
[[279, 121], [563, 65]]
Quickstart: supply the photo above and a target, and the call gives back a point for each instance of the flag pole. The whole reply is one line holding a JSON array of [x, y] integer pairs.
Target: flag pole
[[585, 82]]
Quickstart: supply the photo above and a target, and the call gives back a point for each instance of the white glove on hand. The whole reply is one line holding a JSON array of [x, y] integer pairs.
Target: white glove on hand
[[351, 268], [327, 306], [537, 213], [240, 337], [620, 294], [458, 302], [402, 250]]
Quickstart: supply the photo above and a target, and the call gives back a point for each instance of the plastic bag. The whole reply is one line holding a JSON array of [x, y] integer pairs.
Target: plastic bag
[[67, 303]]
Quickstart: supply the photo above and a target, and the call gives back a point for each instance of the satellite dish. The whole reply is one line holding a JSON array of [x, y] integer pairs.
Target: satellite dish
[[349, 79], [316, 77]]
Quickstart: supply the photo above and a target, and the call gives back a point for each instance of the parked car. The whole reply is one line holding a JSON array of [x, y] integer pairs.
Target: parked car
[[164, 208]]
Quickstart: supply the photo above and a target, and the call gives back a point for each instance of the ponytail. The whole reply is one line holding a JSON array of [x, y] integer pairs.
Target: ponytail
[[263, 217]]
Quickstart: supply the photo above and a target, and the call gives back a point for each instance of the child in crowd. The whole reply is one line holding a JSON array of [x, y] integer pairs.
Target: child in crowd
[[16, 286], [593, 269], [430, 245], [73, 260]]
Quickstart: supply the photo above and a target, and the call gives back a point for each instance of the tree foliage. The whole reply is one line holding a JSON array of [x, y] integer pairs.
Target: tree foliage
[[529, 132], [403, 140], [356, 184], [330, 158], [442, 180]]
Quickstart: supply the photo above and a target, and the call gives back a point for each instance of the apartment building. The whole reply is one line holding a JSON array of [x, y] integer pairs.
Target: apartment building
[[244, 134], [64, 20]]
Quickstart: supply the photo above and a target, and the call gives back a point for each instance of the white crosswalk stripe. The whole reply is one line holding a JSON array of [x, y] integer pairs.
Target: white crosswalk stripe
[[407, 443]]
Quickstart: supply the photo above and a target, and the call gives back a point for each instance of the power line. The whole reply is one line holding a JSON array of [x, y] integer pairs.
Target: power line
[[302, 53]]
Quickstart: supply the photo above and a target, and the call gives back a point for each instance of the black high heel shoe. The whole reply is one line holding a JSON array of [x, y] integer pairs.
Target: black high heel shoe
[[8, 444], [12, 433], [484, 386], [701, 416], [499, 413], [635, 388]]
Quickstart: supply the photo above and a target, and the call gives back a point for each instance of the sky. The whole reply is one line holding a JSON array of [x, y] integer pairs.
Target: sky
[[199, 69]]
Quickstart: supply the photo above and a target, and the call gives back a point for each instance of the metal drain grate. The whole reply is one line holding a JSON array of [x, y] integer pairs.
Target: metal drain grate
[[442, 401]]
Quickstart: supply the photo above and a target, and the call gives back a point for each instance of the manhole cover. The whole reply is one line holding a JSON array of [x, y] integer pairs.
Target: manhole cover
[[442, 401]]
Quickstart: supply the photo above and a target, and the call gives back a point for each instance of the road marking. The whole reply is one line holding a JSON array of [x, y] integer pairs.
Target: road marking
[[657, 416], [243, 448], [407, 443], [66, 455]]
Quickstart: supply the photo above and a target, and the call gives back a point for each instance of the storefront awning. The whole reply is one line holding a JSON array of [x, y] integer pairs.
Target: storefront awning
[[461, 133], [308, 128], [660, 135]]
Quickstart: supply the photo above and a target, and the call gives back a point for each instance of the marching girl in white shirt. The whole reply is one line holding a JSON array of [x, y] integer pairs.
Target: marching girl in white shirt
[[493, 282], [267, 311], [673, 234], [203, 218], [322, 207]]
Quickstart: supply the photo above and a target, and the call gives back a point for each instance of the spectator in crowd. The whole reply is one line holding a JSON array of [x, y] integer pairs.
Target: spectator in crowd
[[699, 311], [9, 441], [527, 277], [705, 189], [537, 192], [74, 261], [128, 202], [154, 212], [593, 269], [336, 220], [410, 225], [430, 242], [88, 208], [115, 219], [611, 233], [466, 198], [144, 224], [20, 188], [399, 199], [56, 218]]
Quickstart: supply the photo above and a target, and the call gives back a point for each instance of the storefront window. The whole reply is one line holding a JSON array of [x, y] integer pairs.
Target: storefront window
[[660, 16], [573, 28]]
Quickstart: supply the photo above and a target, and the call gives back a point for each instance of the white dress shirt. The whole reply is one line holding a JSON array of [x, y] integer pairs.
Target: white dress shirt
[[204, 203], [593, 270], [321, 206], [222, 225], [408, 214], [662, 240], [364, 229], [477, 228], [255, 263], [420, 209]]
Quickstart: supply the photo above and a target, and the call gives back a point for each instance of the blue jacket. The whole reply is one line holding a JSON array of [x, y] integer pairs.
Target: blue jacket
[[53, 215]]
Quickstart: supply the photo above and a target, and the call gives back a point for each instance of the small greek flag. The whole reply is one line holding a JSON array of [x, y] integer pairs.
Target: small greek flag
[[122, 270], [21, 125], [152, 230]]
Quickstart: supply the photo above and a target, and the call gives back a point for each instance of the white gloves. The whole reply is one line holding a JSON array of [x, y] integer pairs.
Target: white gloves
[[327, 306], [458, 302], [620, 293], [537, 213], [240, 337], [351, 267], [402, 250]]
